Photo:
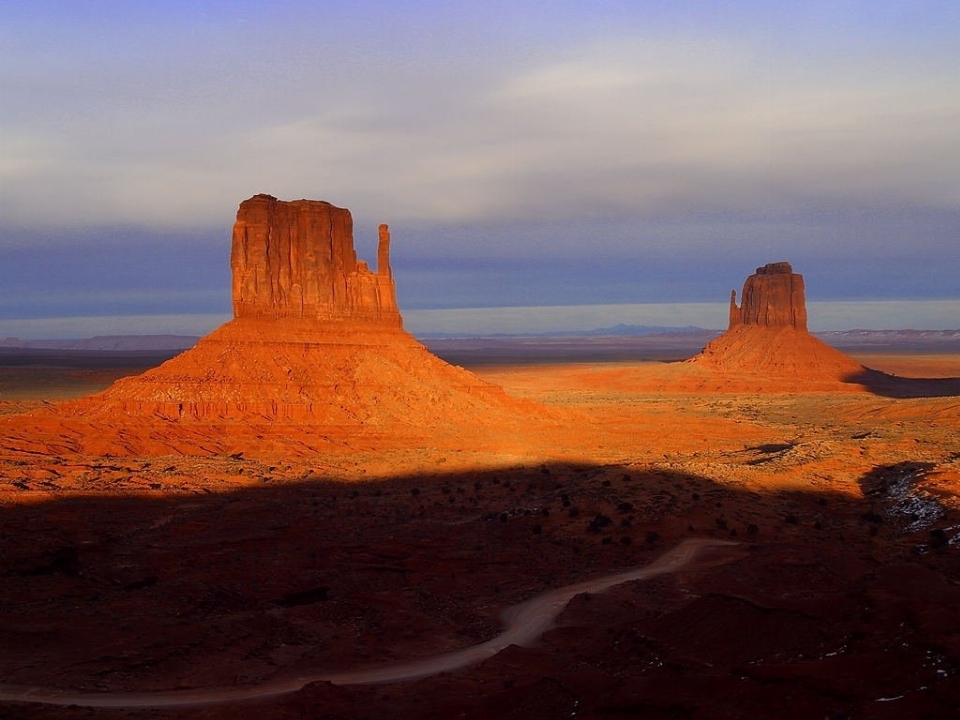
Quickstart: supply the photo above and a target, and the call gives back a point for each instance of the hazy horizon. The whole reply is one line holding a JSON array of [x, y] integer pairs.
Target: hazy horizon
[[823, 317], [524, 155]]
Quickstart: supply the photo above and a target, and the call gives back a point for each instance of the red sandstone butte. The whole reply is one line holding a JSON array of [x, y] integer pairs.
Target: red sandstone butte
[[772, 297], [768, 334], [296, 260], [315, 358]]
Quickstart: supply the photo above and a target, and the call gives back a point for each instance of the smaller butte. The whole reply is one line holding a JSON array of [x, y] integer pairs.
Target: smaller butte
[[768, 338]]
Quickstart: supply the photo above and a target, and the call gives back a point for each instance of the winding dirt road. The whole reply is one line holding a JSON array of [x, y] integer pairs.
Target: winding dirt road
[[524, 623]]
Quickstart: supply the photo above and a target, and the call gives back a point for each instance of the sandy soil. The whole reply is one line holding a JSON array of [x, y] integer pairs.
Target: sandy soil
[[176, 572]]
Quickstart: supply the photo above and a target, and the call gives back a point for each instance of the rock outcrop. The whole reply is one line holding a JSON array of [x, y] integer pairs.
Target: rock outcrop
[[772, 297], [315, 359], [296, 259], [768, 338]]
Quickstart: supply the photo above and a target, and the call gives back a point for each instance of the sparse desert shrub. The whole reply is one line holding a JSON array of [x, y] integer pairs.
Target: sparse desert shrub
[[752, 529], [415, 491], [626, 540], [599, 522], [652, 537], [721, 523], [938, 538], [606, 483], [573, 512], [537, 529], [792, 519], [624, 507], [607, 540], [565, 500]]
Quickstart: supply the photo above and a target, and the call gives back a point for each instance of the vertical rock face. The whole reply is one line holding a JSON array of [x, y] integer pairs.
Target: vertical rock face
[[297, 260], [772, 297]]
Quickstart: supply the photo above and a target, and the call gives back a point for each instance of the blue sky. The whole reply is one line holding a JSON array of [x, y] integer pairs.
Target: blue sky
[[524, 154]]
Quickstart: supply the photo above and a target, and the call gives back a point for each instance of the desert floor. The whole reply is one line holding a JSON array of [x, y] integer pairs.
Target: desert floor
[[840, 599]]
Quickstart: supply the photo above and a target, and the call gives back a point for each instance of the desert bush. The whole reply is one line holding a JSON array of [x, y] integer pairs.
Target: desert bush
[[599, 522], [938, 538]]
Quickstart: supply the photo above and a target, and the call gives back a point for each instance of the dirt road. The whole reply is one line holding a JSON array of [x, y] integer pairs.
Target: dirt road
[[524, 623]]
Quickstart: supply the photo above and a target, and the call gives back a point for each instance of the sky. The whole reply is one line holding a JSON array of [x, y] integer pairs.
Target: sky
[[525, 154]]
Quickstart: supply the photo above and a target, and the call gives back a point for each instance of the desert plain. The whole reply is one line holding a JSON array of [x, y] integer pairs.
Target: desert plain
[[840, 596]]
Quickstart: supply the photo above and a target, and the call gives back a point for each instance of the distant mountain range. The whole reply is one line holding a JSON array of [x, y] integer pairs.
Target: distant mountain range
[[944, 339], [107, 343], [620, 330]]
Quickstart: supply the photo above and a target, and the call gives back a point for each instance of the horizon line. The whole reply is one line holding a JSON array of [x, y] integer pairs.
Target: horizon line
[[824, 316]]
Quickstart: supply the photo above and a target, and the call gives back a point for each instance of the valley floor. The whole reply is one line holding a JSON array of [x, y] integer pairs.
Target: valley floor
[[156, 573]]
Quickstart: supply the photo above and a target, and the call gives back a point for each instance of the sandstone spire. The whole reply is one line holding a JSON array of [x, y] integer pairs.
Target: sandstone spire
[[297, 260], [383, 252]]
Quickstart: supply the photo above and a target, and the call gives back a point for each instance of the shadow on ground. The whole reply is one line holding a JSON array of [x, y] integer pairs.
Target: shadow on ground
[[833, 608], [892, 386]]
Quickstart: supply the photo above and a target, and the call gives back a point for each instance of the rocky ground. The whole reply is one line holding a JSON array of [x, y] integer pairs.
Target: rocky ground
[[138, 573]]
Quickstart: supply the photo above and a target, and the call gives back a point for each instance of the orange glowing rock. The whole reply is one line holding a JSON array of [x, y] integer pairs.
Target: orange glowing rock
[[768, 334]]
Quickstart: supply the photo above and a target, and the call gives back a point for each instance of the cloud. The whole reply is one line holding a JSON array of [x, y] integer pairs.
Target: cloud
[[613, 126]]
